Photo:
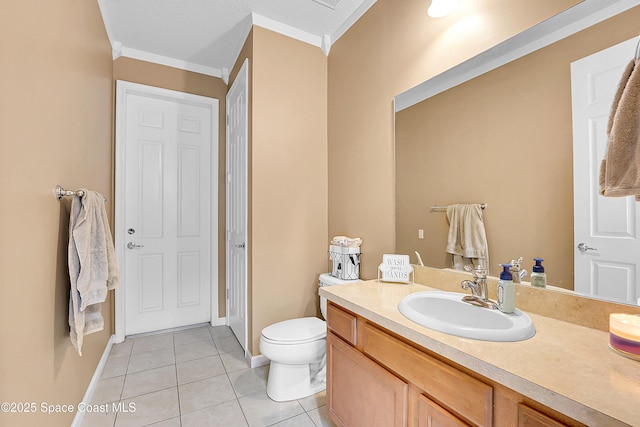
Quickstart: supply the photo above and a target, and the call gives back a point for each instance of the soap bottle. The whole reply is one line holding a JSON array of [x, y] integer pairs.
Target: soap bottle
[[506, 290], [538, 276]]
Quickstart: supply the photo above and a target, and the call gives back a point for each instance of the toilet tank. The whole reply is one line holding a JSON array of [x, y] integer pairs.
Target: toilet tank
[[327, 279]]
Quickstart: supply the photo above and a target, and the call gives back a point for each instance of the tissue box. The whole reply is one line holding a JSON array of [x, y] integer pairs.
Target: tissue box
[[624, 334]]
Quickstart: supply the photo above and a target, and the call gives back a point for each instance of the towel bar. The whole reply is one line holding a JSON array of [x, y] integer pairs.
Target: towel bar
[[61, 192], [483, 206]]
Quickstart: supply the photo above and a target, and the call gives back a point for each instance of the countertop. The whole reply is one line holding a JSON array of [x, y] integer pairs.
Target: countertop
[[566, 367]]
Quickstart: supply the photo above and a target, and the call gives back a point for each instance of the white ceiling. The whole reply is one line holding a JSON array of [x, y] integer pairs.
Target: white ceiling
[[206, 35]]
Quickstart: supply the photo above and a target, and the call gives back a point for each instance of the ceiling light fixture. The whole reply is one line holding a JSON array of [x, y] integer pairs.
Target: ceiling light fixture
[[441, 8]]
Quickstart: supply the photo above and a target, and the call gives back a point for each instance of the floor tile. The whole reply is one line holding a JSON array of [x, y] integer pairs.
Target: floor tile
[[234, 361], [194, 351], [227, 344], [199, 369], [122, 349], [108, 390], [151, 360], [173, 422], [149, 408], [149, 381], [227, 414], [301, 420], [262, 411], [201, 394], [321, 417], [152, 343], [220, 331], [115, 367], [249, 381], [99, 419], [314, 401], [191, 336]]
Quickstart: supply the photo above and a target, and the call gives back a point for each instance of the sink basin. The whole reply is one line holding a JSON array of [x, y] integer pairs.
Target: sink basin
[[446, 312]]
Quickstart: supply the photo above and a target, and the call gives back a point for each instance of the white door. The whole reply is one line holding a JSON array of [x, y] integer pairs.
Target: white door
[[237, 140], [164, 191], [607, 248]]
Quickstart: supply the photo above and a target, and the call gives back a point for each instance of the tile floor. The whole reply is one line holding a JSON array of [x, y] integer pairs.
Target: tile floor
[[195, 377]]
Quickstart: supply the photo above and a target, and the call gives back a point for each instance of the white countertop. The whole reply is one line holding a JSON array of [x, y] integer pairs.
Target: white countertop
[[566, 367]]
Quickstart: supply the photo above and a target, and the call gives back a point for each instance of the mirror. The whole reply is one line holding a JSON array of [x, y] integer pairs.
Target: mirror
[[497, 129]]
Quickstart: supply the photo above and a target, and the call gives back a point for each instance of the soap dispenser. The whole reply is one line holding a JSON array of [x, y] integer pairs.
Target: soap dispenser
[[506, 290], [538, 276]]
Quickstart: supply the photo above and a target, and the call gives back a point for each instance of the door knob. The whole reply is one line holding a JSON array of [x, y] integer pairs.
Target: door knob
[[240, 246], [132, 245], [583, 247]]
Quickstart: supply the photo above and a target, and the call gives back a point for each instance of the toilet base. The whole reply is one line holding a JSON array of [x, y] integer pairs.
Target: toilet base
[[292, 382]]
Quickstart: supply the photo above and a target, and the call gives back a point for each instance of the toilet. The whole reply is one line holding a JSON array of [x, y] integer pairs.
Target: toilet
[[297, 350]]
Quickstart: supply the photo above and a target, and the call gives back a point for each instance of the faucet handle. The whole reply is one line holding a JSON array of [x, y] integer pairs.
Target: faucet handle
[[478, 273]]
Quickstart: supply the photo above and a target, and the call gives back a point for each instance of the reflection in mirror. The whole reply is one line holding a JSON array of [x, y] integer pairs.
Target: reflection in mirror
[[504, 138]]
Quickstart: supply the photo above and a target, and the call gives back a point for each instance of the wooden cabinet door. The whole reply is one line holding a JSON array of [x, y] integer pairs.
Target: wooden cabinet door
[[433, 415], [360, 392]]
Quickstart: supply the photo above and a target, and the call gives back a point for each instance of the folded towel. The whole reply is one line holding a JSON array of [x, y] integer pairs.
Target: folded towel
[[467, 240], [92, 265], [346, 241], [619, 174]]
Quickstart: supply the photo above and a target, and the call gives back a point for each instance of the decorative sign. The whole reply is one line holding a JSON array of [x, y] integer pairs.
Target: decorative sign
[[395, 268]]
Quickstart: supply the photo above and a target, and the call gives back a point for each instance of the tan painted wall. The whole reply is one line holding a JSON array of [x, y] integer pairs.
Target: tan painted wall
[[55, 128], [147, 73], [505, 139], [393, 47], [289, 179]]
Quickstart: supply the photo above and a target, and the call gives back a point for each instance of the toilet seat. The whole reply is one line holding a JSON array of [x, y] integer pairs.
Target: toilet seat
[[295, 331]]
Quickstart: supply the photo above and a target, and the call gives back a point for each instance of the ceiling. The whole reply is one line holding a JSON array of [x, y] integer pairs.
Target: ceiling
[[206, 36]]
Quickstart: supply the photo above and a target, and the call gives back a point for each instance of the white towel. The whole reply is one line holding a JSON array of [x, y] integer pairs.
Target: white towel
[[467, 240], [92, 265], [347, 242]]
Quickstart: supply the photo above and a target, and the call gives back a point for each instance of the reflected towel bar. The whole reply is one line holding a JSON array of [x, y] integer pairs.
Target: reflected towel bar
[[483, 206], [61, 192]]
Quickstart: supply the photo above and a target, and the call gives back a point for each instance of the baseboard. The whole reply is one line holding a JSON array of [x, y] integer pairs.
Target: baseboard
[[220, 321], [88, 395], [255, 361]]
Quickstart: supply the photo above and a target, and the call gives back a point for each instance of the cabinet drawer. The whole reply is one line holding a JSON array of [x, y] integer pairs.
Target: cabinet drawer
[[529, 417], [341, 323], [467, 397]]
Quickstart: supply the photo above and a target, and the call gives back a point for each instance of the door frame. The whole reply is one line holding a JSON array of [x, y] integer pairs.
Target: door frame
[[124, 88]]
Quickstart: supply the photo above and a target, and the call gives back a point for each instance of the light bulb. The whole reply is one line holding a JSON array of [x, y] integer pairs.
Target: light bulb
[[441, 8]]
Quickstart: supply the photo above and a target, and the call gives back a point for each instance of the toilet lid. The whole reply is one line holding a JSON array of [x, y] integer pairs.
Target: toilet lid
[[296, 330]]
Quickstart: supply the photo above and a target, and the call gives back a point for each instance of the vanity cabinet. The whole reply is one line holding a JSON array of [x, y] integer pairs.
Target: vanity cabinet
[[375, 378]]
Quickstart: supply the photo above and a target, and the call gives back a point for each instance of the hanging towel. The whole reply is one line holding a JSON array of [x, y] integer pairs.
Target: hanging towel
[[92, 265], [620, 168], [467, 240]]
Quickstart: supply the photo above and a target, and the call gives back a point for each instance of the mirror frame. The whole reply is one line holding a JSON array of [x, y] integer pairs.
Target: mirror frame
[[558, 27]]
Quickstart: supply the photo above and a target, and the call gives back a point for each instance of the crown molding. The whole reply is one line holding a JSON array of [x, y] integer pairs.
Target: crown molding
[[352, 19], [170, 62], [286, 30]]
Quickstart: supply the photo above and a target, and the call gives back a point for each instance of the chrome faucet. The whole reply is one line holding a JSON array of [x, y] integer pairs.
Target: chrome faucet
[[478, 287], [516, 272]]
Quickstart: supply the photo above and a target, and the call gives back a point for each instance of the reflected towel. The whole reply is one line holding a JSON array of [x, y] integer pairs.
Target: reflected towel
[[619, 174], [92, 265], [467, 240]]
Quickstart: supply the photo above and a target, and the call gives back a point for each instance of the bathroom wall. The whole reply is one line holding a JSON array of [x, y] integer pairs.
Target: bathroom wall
[[147, 73], [55, 128], [393, 47], [518, 154], [288, 162]]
